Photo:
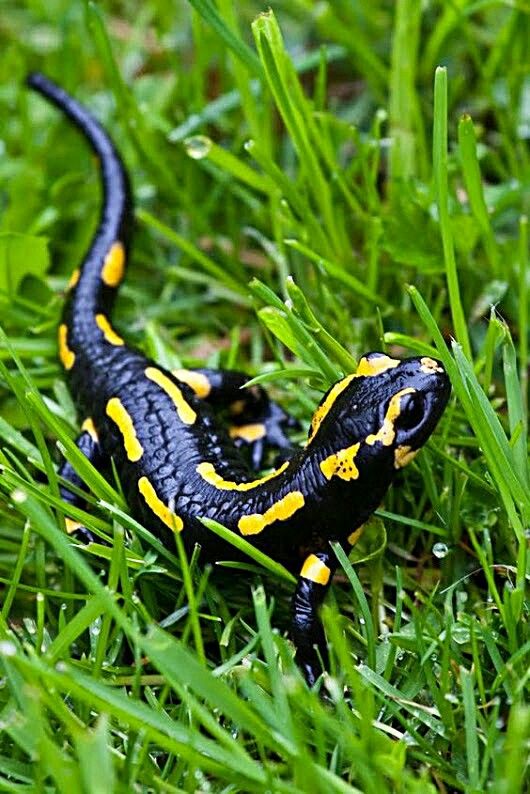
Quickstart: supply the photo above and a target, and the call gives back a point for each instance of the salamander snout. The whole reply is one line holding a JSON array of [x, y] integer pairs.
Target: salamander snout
[[421, 389]]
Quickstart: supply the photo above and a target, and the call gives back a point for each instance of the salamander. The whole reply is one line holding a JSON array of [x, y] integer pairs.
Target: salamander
[[178, 461]]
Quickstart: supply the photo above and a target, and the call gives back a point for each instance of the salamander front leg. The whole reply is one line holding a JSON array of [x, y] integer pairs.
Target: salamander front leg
[[88, 444], [307, 631], [255, 421]]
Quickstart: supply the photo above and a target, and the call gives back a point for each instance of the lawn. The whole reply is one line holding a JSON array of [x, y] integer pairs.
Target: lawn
[[311, 182]]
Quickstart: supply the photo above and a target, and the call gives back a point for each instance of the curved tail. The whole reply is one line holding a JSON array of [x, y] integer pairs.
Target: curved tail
[[94, 284]]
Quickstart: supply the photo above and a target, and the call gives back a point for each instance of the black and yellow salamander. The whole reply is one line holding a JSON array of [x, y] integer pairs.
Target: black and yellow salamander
[[176, 460]]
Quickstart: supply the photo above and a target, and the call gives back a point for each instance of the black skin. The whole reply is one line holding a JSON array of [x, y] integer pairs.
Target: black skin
[[318, 501]]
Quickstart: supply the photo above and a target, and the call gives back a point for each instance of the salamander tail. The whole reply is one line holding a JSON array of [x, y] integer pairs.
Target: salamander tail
[[93, 286]]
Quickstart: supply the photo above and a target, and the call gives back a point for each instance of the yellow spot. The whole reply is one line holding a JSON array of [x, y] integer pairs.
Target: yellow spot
[[355, 535], [208, 473], [280, 511], [315, 570], [430, 365], [108, 331], [403, 455], [88, 426], [248, 433], [237, 407], [323, 410], [196, 380], [66, 355], [167, 516], [74, 278], [184, 410], [341, 464], [114, 265], [387, 432], [71, 525], [119, 415], [370, 367]]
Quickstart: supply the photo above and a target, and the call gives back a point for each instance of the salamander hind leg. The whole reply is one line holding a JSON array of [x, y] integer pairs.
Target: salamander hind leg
[[88, 444], [255, 422], [307, 631]]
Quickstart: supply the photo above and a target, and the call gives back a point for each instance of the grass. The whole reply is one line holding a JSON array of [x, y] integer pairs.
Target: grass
[[292, 213]]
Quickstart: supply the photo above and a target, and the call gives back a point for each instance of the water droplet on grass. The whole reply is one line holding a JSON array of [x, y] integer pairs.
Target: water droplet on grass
[[19, 496], [8, 648], [440, 550], [198, 146]]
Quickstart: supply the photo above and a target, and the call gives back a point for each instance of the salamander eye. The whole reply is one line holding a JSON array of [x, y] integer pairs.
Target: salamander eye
[[411, 411]]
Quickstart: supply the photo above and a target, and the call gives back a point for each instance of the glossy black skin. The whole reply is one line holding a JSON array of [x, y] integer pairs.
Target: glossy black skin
[[332, 508]]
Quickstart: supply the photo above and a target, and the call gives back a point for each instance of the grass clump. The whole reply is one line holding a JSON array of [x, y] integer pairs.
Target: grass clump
[[311, 184]]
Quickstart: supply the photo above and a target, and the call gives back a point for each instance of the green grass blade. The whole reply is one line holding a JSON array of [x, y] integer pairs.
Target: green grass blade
[[468, 157], [95, 752], [251, 551], [211, 16], [195, 254], [368, 625], [403, 110], [470, 717], [442, 200]]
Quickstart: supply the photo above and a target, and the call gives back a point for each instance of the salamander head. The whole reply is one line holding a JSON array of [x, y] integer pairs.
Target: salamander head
[[373, 422]]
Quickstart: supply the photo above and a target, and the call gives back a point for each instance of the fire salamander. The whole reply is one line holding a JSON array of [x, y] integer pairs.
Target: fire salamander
[[176, 460]]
